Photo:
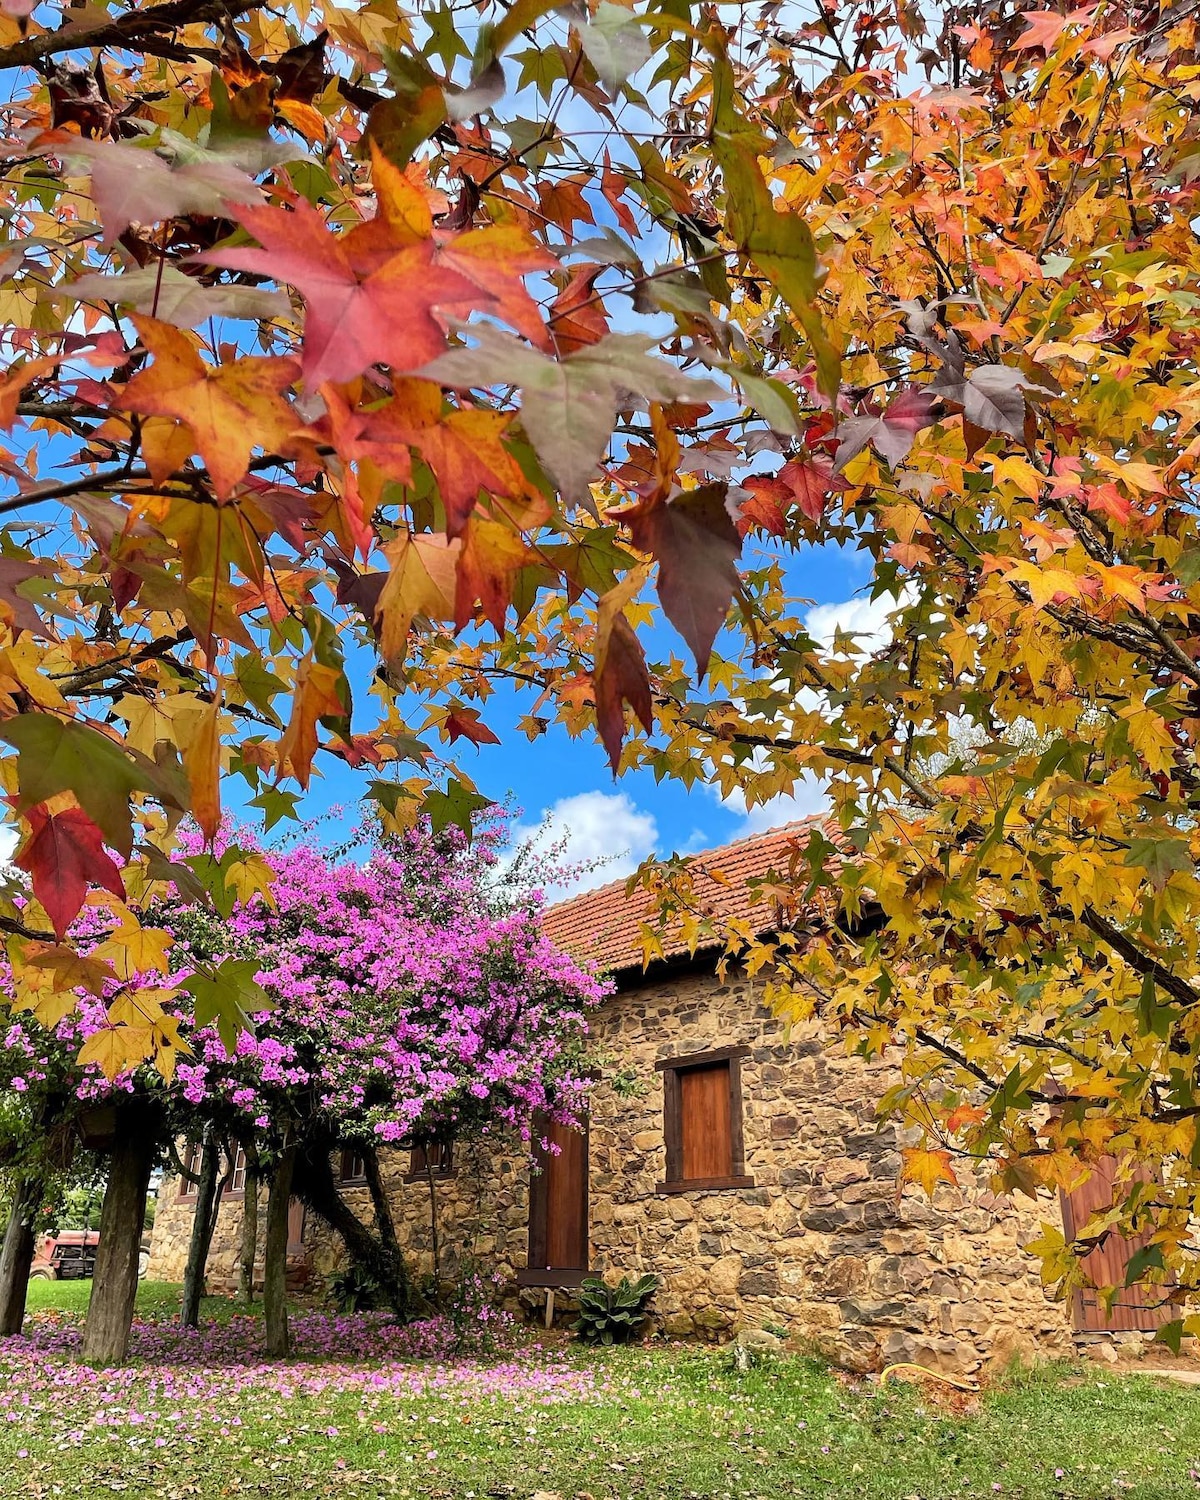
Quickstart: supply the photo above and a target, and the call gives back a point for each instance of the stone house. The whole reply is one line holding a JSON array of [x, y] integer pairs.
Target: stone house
[[746, 1169]]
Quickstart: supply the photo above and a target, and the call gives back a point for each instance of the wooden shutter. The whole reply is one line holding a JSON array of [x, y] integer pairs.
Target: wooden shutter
[[436, 1157], [705, 1122], [702, 1121], [353, 1168], [191, 1160], [1135, 1308], [295, 1237]]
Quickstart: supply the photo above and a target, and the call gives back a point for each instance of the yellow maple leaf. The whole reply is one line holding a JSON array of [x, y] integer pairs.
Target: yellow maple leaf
[[926, 1168], [141, 1007], [117, 1049], [131, 950]]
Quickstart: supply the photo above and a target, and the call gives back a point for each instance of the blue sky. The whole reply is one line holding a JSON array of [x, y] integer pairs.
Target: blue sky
[[620, 821]]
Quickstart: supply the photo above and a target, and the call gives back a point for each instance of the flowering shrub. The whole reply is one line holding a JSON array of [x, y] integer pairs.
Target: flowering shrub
[[479, 1324], [405, 997]]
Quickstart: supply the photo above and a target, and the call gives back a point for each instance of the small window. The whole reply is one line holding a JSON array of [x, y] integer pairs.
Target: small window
[[191, 1159], [431, 1159], [702, 1121], [354, 1168], [237, 1178]]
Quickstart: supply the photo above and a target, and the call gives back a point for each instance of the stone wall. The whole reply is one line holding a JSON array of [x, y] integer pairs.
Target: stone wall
[[820, 1246], [173, 1230]]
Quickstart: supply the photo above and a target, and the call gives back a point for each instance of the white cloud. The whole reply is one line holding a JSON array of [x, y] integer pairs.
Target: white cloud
[[867, 619], [592, 826], [809, 799]]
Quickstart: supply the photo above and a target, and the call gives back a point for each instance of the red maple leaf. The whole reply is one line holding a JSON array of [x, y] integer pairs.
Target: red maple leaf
[[811, 481], [465, 723], [371, 297], [620, 677], [63, 855], [577, 313]]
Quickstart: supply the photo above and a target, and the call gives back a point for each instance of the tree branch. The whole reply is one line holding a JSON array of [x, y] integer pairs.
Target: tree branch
[[133, 31]]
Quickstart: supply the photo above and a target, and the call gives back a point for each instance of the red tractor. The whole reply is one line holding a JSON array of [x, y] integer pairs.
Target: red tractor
[[70, 1255]]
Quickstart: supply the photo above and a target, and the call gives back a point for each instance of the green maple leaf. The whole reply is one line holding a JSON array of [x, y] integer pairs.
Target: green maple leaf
[[456, 805], [229, 995], [543, 67], [445, 41], [276, 805], [57, 755], [259, 684], [1159, 857]]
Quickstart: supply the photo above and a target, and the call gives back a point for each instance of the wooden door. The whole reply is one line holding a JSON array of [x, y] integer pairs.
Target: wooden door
[[295, 1239], [1135, 1308], [558, 1205]]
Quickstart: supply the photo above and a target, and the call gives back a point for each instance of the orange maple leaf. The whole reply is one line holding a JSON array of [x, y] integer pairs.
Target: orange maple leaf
[[229, 409]]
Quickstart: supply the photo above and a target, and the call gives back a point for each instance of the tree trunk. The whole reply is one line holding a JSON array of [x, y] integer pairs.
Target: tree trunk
[[249, 1249], [385, 1225], [383, 1261], [433, 1232], [114, 1288], [204, 1222], [17, 1255], [275, 1254]]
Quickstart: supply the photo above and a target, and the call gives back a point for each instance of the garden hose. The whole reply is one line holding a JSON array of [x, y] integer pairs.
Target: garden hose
[[959, 1385]]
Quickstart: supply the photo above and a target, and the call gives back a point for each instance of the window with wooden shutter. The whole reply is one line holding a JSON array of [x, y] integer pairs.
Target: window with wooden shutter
[[431, 1159], [353, 1168], [702, 1121], [191, 1160]]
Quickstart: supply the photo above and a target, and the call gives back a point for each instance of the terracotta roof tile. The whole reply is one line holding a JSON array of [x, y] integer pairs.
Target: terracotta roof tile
[[603, 927]]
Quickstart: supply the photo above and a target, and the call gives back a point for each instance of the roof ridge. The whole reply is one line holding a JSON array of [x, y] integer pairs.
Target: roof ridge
[[812, 820]]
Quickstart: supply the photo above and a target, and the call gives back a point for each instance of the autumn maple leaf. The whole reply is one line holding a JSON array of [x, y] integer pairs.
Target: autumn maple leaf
[[229, 409], [63, 855], [577, 313], [497, 259], [420, 582], [696, 545], [371, 298], [1046, 26], [133, 185], [926, 1168], [463, 448]]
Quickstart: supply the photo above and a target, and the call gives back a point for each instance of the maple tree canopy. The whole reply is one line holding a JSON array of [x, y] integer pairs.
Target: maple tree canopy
[[477, 336]]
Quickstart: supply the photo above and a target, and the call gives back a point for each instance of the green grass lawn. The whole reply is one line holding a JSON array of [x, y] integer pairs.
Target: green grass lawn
[[641, 1424], [156, 1299]]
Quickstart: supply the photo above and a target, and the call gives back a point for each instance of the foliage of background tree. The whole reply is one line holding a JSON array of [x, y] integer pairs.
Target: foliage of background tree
[[1013, 756]]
